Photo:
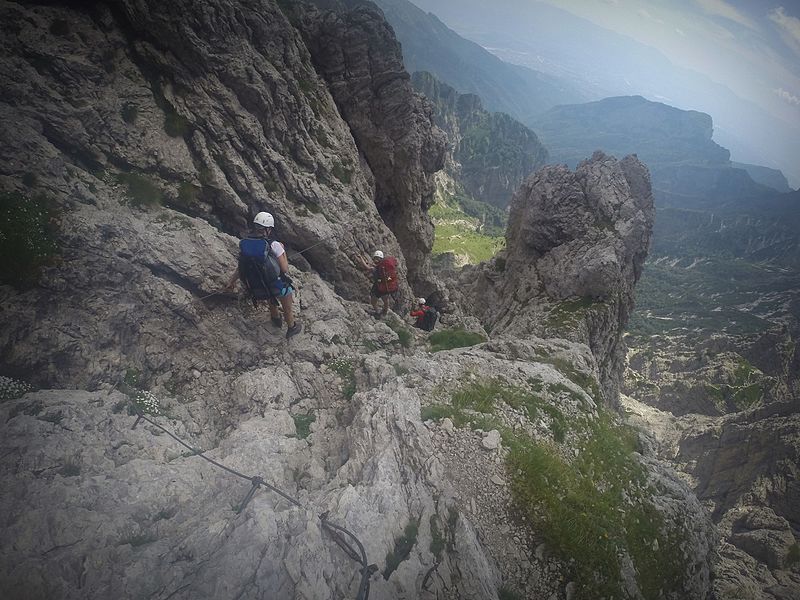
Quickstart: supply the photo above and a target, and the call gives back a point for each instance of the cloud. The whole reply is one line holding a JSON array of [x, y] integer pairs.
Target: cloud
[[645, 14], [680, 32], [720, 8], [789, 27], [787, 96]]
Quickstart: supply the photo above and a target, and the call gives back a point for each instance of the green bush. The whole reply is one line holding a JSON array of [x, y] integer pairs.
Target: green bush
[[793, 556], [175, 125], [447, 339], [404, 336], [142, 191], [341, 173], [594, 508], [302, 424], [27, 238], [188, 193]]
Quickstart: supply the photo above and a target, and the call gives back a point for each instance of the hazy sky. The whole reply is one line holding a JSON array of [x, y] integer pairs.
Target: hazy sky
[[752, 46]]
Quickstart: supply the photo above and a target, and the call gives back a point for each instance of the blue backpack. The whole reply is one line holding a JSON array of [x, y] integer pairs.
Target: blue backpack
[[258, 267]]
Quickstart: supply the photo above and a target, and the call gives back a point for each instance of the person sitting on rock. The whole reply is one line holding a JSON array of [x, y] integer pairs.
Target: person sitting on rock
[[384, 279], [426, 315], [264, 271]]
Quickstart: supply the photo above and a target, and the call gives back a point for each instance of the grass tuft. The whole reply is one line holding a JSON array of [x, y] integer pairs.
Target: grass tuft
[[594, 509], [343, 367], [447, 339], [142, 191], [302, 424], [404, 335]]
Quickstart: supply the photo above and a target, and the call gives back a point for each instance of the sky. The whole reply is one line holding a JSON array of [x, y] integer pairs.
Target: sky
[[751, 46]]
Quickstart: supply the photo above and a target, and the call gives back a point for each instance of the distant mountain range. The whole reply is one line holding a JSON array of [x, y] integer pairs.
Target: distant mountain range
[[429, 45], [599, 63]]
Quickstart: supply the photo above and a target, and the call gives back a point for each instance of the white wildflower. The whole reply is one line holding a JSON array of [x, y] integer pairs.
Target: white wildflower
[[11, 389], [147, 401]]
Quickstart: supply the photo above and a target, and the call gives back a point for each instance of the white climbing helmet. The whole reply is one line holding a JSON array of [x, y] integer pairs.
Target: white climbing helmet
[[377, 254], [420, 300], [264, 219]]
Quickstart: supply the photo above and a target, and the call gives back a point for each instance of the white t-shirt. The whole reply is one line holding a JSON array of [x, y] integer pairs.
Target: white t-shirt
[[277, 249]]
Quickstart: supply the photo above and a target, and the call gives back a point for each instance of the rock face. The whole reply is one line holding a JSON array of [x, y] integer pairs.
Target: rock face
[[131, 514], [221, 125], [492, 153], [576, 244], [356, 53]]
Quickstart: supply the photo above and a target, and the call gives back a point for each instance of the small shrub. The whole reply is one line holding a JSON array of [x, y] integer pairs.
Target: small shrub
[[142, 191], [188, 193], [27, 238], [588, 510], [132, 378], [793, 556], [566, 368], [129, 113], [302, 424], [569, 312], [404, 336], [175, 125], [11, 389], [402, 548], [447, 339], [437, 540], [206, 176], [344, 369], [341, 173], [452, 521], [436, 412]]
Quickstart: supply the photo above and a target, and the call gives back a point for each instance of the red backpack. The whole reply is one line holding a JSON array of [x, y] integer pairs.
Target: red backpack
[[386, 271]]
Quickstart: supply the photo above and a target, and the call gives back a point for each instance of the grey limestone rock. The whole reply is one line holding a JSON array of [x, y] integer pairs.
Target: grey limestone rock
[[576, 244]]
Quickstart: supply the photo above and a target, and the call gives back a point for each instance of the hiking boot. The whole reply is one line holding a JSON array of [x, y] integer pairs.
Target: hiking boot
[[294, 330], [277, 321]]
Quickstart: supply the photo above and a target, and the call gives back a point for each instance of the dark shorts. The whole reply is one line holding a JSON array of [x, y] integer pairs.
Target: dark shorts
[[376, 294]]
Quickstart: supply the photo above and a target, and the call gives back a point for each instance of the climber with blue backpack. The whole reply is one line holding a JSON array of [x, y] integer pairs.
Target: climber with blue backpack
[[264, 272]]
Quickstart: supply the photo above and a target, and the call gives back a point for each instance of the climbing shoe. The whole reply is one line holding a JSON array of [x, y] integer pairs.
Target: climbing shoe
[[294, 330], [277, 321]]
